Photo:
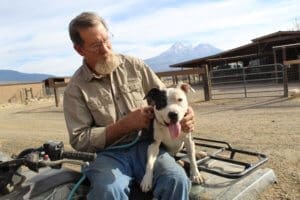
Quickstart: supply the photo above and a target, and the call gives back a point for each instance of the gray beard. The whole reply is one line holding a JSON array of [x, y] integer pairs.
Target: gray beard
[[108, 65]]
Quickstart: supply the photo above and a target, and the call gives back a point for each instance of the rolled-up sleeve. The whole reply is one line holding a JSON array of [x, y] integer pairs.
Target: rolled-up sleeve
[[83, 134]]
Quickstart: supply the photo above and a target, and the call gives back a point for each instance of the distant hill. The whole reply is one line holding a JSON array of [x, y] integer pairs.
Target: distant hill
[[180, 52], [11, 76]]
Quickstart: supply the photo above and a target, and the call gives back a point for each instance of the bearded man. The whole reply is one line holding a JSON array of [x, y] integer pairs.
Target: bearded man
[[104, 106]]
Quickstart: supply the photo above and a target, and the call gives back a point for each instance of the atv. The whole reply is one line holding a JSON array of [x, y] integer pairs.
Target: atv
[[50, 172]]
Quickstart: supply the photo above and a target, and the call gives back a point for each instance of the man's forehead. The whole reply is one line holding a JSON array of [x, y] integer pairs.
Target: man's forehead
[[93, 33]]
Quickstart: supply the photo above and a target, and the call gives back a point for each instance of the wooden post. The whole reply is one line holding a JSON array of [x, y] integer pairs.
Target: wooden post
[[207, 84], [298, 68], [21, 96], [244, 82], [56, 95], [285, 76], [26, 95], [275, 65], [31, 92]]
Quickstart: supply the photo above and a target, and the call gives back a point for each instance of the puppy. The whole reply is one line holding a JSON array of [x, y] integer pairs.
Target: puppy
[[170, 106]]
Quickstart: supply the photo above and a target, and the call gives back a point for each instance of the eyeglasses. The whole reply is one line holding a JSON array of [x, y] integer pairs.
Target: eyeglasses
[[96, 47]]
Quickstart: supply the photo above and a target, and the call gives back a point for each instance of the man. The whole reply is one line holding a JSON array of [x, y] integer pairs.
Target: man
[[104, 107]]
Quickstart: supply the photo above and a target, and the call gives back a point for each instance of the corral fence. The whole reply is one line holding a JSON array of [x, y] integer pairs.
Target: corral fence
[[192, 76], [253, 81]]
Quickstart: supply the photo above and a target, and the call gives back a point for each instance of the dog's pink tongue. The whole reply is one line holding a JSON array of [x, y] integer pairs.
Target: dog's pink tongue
[[174, 130]]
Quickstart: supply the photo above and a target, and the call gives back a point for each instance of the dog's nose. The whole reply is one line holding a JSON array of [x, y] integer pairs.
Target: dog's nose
[[173, 116]]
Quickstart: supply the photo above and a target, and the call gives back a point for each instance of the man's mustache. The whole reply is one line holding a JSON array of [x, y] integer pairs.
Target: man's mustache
[[107, 64]]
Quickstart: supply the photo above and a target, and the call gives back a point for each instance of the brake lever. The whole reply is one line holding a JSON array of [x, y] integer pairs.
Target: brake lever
[[54, 164], [32, 161]]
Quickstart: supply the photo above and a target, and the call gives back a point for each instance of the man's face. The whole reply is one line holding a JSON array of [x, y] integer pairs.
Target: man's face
[[96, 45]]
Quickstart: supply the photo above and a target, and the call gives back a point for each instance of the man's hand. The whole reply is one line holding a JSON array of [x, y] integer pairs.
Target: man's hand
[[135, 120], [140, 118], [187, 123]]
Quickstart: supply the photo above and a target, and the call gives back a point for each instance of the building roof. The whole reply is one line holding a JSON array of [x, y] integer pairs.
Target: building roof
[[277, 35], [247, 51]]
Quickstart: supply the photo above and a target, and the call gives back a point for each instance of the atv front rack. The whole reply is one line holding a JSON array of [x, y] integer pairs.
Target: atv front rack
[[222, 153]]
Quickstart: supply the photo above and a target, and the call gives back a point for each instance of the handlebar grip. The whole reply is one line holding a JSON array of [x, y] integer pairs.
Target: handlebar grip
[[77, 155]]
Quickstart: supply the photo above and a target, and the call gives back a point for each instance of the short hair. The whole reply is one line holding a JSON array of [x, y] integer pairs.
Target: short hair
[[82, 21]]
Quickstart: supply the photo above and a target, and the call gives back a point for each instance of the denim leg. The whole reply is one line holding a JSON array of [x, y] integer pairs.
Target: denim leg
[[113, 172], [170, 180], [109, 176]]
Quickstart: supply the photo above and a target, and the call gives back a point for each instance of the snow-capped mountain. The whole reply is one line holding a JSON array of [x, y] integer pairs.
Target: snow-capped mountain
[[180, 52]]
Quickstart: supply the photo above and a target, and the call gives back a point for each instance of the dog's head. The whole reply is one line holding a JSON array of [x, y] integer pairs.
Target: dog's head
[[170, 106]]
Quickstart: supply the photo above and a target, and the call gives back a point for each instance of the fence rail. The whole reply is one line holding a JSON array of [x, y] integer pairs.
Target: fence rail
[[252, 81]]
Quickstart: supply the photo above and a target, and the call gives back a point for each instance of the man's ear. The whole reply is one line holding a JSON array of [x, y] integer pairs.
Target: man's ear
[[79, 49], [151, 96]]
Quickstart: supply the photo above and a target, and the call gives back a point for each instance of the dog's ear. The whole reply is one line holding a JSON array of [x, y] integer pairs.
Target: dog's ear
[[185, 87], [152, 96]]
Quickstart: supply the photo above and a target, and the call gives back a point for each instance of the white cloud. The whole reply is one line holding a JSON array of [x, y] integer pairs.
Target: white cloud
[[197, 19], [60, 66], [34, 35], [140, 50]]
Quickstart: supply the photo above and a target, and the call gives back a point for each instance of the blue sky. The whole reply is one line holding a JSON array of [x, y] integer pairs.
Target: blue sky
[[34, 34]]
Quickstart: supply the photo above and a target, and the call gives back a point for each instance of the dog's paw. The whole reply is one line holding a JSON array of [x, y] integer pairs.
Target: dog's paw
[[201, 154], [180, 162], [197, 178], [146, 183]]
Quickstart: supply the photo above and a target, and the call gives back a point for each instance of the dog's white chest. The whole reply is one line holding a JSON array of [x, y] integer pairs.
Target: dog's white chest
[[162, 134], [173, 146]]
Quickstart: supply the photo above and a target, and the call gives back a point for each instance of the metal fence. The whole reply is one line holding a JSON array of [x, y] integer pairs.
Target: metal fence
[[252, 81]]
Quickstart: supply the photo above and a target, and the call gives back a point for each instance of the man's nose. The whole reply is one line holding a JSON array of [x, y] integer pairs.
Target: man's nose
[[105, 48]]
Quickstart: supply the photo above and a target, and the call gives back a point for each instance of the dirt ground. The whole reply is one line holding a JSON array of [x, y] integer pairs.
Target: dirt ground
[[267, 125]]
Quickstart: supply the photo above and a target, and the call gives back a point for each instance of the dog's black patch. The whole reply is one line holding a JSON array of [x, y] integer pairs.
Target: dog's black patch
[[162, 100], [157, 97]]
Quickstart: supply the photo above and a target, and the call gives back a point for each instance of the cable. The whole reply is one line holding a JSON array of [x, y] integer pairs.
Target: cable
[[76, 186], [126, 145]]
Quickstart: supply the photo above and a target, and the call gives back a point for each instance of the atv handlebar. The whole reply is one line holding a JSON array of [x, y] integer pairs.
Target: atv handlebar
[[76, 155], [51, 154]]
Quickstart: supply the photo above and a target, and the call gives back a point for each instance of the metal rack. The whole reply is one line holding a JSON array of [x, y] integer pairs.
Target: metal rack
[[226, 154]]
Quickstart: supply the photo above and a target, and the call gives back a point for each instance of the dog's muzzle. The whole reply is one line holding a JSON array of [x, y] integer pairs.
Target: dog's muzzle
[[173, 116]]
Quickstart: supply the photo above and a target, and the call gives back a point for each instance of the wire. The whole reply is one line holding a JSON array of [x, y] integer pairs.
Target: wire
[[76, 186], [126, 145]]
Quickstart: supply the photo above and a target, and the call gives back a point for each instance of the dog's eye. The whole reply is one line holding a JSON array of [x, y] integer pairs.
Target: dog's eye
[[179, 100]]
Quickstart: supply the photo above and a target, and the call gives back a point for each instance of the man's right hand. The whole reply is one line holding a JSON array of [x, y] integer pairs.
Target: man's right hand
[[139, 118], [135, 120]]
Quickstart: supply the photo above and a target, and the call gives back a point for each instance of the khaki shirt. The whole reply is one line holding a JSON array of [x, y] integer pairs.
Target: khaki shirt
[[92, 102]]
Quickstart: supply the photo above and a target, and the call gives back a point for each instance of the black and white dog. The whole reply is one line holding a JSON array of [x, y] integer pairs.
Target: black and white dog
[[170, 106]]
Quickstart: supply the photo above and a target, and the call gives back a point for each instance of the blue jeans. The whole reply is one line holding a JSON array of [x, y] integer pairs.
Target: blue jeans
[[114, 171]]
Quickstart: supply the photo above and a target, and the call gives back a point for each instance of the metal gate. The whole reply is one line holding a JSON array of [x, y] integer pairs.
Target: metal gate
[[254, 81]]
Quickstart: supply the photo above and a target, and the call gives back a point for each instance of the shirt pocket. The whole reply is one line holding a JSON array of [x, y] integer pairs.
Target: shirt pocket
[[101, 110], [94, 104], [133, 93]]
